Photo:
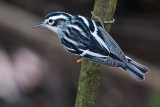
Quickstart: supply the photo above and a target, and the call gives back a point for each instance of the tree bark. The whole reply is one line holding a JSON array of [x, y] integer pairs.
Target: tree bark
[[90, 72]]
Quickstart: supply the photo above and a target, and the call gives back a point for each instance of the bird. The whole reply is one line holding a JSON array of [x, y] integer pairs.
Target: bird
[[88, 39]]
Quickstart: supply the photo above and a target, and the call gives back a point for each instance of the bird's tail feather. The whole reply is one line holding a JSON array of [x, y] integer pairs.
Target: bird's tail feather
[[135, 69]]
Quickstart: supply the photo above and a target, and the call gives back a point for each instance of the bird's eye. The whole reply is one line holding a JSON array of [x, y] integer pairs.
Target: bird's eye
[[50, 20]]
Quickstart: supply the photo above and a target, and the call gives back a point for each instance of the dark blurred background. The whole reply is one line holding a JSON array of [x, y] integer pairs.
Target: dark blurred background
[[36, 71]]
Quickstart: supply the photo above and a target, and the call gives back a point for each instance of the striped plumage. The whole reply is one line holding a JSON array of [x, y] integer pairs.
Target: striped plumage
[[88, 39]]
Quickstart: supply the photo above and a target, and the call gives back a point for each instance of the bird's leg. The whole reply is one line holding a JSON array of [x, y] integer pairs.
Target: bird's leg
[[79, 60], [98, 19]]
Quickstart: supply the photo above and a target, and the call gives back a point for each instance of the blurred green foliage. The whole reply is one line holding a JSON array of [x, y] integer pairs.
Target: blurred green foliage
[[155, 100]]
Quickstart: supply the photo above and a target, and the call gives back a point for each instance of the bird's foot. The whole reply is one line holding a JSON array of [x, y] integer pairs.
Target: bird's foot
[[102, 23], [79, 60], [96, 17]]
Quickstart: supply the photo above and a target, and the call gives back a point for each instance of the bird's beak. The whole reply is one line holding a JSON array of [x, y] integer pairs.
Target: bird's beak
[[38, 25]]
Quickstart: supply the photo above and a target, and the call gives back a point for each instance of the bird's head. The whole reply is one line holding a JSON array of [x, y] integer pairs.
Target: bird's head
[[55, 21]]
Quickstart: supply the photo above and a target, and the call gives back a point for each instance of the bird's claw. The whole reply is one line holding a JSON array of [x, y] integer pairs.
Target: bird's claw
[[102, 23]]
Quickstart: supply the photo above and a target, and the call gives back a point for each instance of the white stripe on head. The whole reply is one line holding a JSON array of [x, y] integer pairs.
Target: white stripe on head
[[59, 17]]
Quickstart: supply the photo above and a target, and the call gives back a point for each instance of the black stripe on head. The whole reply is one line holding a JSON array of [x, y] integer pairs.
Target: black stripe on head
[[58, 22], [57, 14]]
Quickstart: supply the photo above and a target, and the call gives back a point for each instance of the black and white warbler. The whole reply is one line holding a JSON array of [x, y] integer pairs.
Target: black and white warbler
[[88, 39]]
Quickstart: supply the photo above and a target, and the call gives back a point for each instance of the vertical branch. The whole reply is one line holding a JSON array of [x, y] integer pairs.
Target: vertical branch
[[105, 10], [88, 84], [90, 72]]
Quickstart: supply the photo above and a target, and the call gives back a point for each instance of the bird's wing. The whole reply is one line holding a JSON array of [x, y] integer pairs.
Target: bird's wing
[[113, 47]]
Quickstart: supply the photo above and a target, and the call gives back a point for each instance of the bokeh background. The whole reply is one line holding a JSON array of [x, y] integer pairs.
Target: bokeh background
[[36, 71]]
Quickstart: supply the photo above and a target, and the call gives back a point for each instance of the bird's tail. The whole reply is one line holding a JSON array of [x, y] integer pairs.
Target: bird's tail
[[135, 69]]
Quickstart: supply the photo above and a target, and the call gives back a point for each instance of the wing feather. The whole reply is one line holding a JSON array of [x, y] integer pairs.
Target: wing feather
[[113, 46], [98, 58]]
